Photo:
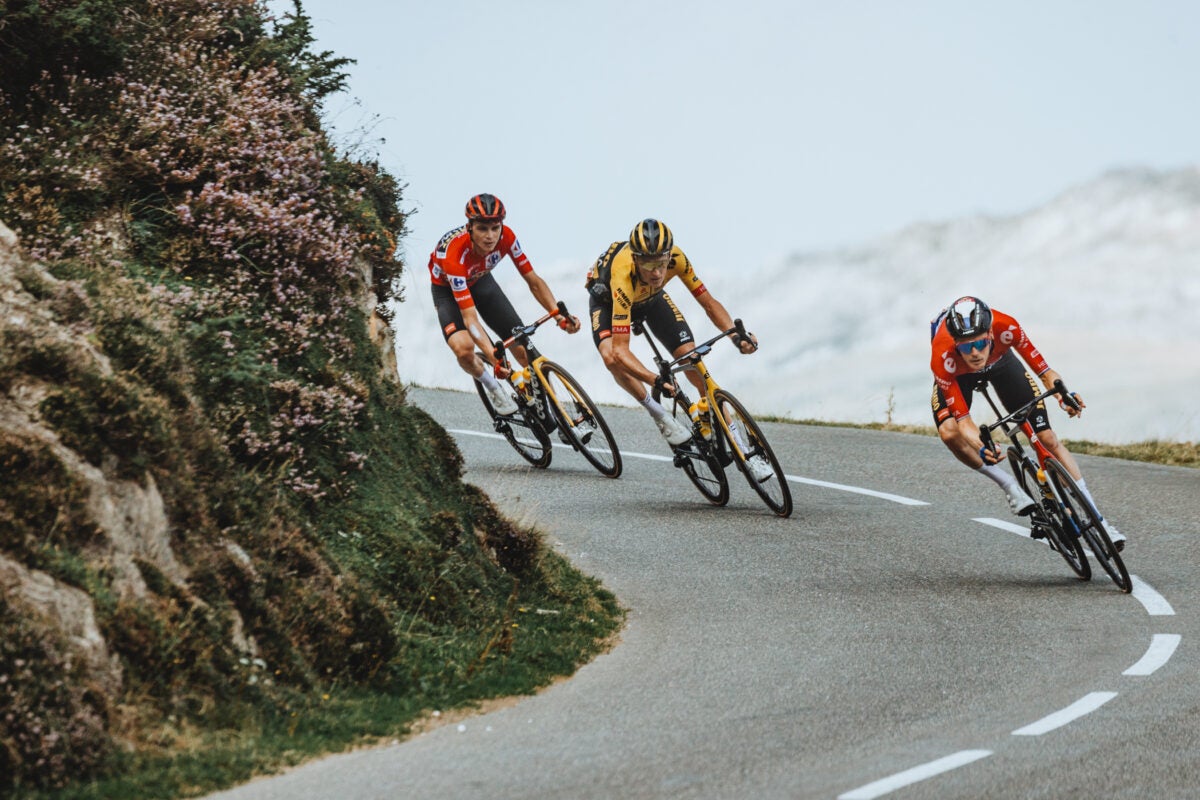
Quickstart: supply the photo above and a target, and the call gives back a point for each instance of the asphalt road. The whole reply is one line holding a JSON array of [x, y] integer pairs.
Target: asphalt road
[[865, 647]]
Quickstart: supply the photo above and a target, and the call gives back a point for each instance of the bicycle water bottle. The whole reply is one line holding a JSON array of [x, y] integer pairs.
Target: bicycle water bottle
[[699, 413], [520, 379]]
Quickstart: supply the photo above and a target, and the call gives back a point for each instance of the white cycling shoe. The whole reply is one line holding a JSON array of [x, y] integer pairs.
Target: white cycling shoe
[[502, 402], [1115, 536], [760, 468], [584, 430], [1020, 503], [672, 431]]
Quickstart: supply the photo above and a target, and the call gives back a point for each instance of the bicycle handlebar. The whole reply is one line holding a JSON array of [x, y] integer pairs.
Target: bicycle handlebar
[[523, 332], [1022, 414]]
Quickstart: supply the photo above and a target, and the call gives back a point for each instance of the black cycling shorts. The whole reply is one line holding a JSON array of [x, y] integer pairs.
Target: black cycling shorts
[[1014, 388], [659, 313], [490, 301]]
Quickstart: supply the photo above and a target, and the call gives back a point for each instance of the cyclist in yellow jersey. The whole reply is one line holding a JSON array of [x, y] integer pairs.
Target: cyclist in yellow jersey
[[626, 285]]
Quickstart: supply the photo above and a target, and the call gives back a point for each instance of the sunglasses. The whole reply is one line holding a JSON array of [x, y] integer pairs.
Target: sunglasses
[[977, 346]]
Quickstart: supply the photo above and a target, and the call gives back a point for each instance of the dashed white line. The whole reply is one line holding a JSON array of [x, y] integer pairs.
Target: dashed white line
[[1162, 647], [916, 774], [1084, 705], [1019, 530], [894, 498], [1156, 605]]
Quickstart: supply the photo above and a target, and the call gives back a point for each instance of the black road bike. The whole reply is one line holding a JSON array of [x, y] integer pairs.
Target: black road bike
[[1062, 515]]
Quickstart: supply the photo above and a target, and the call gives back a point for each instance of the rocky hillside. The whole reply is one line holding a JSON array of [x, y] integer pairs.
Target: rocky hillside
[[219, 518]]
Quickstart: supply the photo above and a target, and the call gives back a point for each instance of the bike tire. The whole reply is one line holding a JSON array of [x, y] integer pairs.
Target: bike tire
[[1050, 514], [1085, 515], [698, 459], [572, 406], [730, 416], [521, 430]]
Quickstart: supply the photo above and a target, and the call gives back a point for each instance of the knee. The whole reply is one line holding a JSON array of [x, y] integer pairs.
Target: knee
[[1049, 439], [463, 348], [949, 432]]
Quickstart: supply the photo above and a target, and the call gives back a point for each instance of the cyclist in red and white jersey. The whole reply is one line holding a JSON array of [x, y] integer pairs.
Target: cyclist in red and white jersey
[[464, 289], [973, 345]]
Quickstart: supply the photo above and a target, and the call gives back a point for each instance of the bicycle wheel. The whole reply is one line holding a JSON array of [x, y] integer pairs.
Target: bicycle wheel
[[746, 441], [1050, 518], [1084, 515], [580, 421], [698, 460], [522, 430]]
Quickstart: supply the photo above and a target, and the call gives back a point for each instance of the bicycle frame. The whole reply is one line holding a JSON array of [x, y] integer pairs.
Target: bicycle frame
[[693, 361], [539, 390]]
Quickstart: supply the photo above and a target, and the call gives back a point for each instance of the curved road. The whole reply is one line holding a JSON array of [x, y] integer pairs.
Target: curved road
[[865, 647]]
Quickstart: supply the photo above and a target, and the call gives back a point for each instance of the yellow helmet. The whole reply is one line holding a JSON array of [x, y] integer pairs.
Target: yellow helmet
[[650, 238]]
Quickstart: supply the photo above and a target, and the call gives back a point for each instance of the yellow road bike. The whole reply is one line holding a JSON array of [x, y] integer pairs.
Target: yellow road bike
[[549, 400], [723, 432]]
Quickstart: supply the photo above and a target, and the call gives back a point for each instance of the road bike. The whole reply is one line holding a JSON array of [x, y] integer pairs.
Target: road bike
[[1062, 513], [723, 432], [548, 399]]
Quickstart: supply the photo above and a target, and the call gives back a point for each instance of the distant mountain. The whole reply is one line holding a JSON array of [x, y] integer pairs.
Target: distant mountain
[[1105, 277]]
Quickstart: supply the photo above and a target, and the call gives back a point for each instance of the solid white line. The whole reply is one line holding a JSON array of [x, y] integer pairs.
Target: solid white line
[[1162, 647], [895, 498], [1019, 530], [1084, 705], [914, 775], [1156, 605]]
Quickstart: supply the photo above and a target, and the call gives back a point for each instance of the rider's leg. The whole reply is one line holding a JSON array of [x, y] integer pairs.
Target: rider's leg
[[960, 436]]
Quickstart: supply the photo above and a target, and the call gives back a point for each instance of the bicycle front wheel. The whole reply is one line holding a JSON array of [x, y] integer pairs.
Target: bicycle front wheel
[[698, 459], [1049, 516], [522, 430], [1084, 515], [752, 453], [580, 420]]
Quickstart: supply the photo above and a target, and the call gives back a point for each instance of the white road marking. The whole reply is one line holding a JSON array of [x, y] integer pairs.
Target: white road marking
[[914, 775], [895, 498], [1019, 530], [1156, 605], [1162, 647], [1084, 705]]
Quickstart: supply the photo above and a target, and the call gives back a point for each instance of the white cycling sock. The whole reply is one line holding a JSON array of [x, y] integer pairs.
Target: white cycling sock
[[488, 379], [1083, 488], [654, 407], [1000, 477]]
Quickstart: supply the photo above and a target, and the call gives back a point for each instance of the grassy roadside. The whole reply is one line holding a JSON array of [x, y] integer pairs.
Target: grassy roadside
[[1174, 454]]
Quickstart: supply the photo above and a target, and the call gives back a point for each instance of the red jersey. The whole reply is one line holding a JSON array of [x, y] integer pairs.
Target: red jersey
[[453, 263], [947, 363]]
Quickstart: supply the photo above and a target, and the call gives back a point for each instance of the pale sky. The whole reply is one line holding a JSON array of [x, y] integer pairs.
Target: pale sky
[[754, 128]]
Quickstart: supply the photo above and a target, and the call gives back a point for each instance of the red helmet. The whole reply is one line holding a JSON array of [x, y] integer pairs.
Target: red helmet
[[486, 208]]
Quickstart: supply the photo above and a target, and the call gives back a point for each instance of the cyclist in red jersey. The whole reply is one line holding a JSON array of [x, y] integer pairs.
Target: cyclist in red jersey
[[972, 345], [464, 289]]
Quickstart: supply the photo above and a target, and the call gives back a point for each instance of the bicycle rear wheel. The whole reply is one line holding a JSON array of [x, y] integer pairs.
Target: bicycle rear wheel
[[746, 441], [522, 430], [1050, 517], [1083, 514], [580, 421]]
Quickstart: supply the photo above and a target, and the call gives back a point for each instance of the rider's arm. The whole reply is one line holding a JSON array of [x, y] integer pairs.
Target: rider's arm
[[541, 292], [629, 363], [477, 332], [723, 321], [1048, 378]]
